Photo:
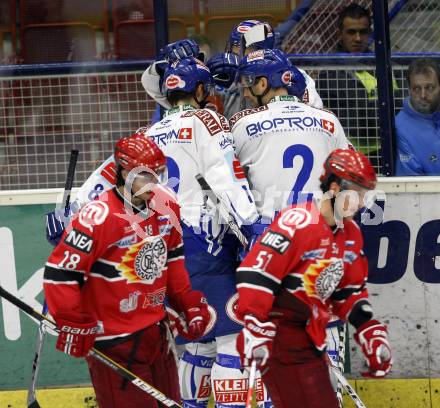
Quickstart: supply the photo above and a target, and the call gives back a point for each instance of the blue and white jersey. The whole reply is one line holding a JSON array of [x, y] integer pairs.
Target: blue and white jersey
[[198, 141], [283, 146]]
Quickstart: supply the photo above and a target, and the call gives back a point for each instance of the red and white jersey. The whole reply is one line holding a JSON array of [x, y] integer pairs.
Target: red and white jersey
[[283, 146], [299, 255], [118, 263], [352, 287]]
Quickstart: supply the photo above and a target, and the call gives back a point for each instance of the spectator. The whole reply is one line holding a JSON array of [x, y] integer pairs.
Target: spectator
[[417, 124], [351, 95]]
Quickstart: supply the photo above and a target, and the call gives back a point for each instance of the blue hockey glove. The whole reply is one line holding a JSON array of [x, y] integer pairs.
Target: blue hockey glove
[[54, 227], [181, 49], [299, 85], [223, 67]]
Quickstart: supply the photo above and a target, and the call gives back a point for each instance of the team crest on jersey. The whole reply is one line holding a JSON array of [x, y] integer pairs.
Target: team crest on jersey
[[144, 262], [322, 277], [294, 219], [93, 213]]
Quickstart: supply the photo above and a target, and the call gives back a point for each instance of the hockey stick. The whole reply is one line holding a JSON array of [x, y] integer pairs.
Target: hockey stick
[[251, 385], [341, 361], [31, 397], [342, 380], [222, 209], [98, 355]]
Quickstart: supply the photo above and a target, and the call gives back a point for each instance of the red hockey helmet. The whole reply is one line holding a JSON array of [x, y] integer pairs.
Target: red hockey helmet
[[139, 150], [351, 166]]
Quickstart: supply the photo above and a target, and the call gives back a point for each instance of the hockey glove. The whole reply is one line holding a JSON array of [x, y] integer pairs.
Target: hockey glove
[[298, 85], [77, 332], [255, 341], [54, 228], [195, 309], [373, 338], [223, 67], [181, 49]]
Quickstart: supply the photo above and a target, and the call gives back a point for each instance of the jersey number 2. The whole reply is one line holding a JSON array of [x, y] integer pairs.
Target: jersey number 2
[[304, 174]]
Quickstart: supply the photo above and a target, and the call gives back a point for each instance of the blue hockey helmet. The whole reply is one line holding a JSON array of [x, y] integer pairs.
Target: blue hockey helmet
[[272, 64], [185, 74], [243, 27]]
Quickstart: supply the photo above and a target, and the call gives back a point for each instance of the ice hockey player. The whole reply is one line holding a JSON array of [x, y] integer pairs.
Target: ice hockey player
[[282, 142], [106, 281], [198, 141], [253, 35], [294, 275]]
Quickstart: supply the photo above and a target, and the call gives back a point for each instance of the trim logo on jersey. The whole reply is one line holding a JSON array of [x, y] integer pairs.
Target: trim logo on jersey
[[93, 213], [109, 172], [130, 304], [235, 390], [205, 387], [209, 120], [293, 219], [126, 242], [287, 123], [174, 81], [278, 242], [246, 112], [80, 241], [144, 262], [238, 170], [185, 134], [328, 125], [322, 277]]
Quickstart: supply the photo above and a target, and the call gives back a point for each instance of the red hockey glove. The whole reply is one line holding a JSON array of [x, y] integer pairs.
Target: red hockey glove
[[195, 309], [373, 338], [255, 341], [77, 332]]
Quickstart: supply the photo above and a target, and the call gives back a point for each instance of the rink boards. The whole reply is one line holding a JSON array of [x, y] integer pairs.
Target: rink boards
[[404, 257]]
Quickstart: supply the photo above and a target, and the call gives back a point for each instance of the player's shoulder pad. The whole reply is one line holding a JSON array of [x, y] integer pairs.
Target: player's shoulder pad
[[92, 214], [209, 119], [246, 112], [297, 217]]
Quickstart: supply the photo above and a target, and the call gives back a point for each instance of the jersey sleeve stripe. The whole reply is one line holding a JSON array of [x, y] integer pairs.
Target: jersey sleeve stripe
[[62, 275], [175, 253], [254, 287], [292, 283], [104, 269], [257, 279], [267, 275], [343, 294]]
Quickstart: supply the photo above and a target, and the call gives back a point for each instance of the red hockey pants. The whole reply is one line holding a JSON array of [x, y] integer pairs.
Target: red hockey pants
[[150, 360], [297, 376]]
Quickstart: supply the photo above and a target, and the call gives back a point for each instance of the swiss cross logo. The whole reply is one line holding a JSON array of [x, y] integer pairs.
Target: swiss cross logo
[[172, 81], [286, 77], [328, 125], [238, 170], [185, 134]]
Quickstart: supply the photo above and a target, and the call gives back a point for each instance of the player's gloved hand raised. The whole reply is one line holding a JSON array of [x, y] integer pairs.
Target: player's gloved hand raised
[[223, 67], [181, 49], [298, 85], [54, 227], [255, 341], [372, 336], [77, 332], [197, 317]]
